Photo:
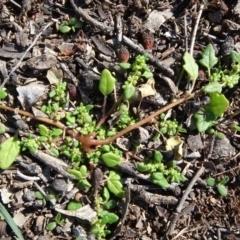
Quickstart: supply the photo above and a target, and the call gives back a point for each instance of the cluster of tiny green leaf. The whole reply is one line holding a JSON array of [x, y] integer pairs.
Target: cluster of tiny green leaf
[[57, 100], [81, 118], [124, 118], [161, 174], [228, 77], [47, 135], [104, 216], [138, 69], [81, 173], [169, 127]]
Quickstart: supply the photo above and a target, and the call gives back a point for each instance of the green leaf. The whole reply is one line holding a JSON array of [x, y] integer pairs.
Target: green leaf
[[64, 28], [11, 222], [9, 150], [129, 91], [73, 205], [51, 225], [108, 218], [211, 182], [84, 184], [78, 24], [213, 87], [111, 160], [75, 173], [110, 204], [107, 82], [224, 180], [222, 190], [43, 130], [141, 167], [219, 135], [56, 132], [235, 56], [204, 120], [125, 65], [39, 195], [114, 185], [72, 21], [3, 94], [208, 57], [83, 170], [190, 66], [147, 74], [106, 194], [159, 179], [158, 156], [218, 104]]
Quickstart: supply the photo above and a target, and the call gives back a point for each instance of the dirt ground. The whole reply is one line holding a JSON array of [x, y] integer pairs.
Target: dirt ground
[[70, 43]]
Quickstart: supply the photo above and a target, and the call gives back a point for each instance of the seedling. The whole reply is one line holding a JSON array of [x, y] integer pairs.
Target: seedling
[[72, 24], [138, 69], [222, 190], [58, 221], [161, 174]]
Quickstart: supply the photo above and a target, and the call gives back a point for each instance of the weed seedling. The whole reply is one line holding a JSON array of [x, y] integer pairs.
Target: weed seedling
[[219, 184], [71, 24]]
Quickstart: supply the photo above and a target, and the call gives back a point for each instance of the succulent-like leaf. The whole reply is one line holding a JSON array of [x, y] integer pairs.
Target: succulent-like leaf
[[107, 82], [190, 66]]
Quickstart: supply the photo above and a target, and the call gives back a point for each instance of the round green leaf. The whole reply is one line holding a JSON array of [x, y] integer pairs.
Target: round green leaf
[[141, 167], [107, 82], [235, 56], [43, 130], [74, 205], [83, 170], [147, 74], [190, 66], [110, 204], [129, 91], [204, 120], [213, 87], [73, 21], [64, 29], [9, 150], [211, 182], [218, 104], [56, 132], [3, 94], [111, 160], [125, 65], [109, 218], [222, 190], [51, 225]]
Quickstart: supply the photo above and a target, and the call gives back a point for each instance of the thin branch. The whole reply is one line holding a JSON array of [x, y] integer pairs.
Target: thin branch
[[153, 59], [79, 11], [189, 188], [25, 53], [195, 29]]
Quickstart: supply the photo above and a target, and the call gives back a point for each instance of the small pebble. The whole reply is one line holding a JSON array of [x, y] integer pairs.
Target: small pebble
[[29, 196], [59, 185]]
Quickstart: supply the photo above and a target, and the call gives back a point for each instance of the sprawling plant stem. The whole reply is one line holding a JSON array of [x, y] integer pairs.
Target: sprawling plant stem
[[89, 141]]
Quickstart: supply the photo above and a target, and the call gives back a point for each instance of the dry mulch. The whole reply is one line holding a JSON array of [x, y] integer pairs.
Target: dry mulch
[[31, 44]]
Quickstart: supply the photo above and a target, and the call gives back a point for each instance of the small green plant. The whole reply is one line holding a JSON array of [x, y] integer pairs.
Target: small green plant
[[57, 100], [58, 220], [71, 24], [161, 173], [138, 69], [219, 184], [105, 217], [169, 127]]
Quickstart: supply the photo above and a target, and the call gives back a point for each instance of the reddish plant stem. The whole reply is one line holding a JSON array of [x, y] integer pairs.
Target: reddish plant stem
[[88, 141]]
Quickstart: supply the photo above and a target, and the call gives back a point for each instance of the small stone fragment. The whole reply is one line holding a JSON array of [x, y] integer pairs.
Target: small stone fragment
[[59, 185], [228, 46], [29, 196]]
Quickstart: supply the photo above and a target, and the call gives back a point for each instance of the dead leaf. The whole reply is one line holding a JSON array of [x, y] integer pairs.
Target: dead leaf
[[148, 88], [84, 213], [30, 94], [176, 144], [54, 75], [156, 19]]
